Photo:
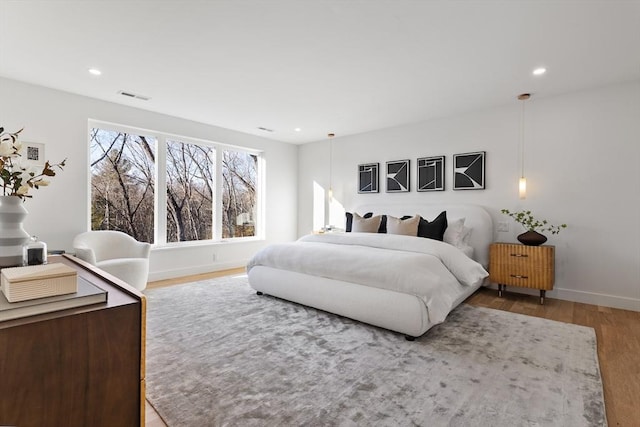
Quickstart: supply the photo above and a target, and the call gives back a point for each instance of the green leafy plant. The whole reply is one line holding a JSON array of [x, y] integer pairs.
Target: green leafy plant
[[16, 178], [526, 219]]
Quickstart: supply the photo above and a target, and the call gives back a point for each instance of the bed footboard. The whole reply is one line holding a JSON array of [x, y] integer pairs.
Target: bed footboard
[[387, 309]]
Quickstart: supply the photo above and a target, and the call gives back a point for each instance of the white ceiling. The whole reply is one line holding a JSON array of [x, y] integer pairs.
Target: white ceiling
[[323, 66]]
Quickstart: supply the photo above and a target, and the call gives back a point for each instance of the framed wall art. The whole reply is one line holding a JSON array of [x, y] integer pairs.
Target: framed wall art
[[431, 173], [398, 176], [368, 178], [468, 171], [32, 153]]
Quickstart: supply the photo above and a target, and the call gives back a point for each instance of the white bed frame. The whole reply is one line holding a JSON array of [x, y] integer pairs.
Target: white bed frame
[[387, 309]]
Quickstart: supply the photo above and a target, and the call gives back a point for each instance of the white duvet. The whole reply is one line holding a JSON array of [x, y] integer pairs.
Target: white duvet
[[433, 271]]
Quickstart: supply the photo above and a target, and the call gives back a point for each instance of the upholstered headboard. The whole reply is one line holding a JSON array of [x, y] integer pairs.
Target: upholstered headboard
[[475, 216]]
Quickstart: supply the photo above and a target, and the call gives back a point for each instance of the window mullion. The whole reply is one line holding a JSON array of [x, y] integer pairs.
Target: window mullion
[[217, 212], [261, 191], [160, 211]]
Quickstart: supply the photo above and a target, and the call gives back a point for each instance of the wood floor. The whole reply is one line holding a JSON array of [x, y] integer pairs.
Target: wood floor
[[617, 331]]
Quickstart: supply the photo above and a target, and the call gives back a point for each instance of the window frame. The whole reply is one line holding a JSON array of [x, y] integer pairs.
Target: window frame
[[160, 190]]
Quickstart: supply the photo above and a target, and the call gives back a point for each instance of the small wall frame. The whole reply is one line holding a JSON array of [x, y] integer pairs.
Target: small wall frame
[[32, 153], [468, 171], [398, 176], [431, 173], [368, 177]]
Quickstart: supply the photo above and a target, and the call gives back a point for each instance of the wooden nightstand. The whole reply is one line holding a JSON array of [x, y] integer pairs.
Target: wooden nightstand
[[524, 266]]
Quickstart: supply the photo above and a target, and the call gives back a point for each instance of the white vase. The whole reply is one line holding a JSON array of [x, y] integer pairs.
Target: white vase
[[12, 235]]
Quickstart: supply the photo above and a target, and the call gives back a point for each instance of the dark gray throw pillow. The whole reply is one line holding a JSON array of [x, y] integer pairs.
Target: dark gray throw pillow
[[383, 225]]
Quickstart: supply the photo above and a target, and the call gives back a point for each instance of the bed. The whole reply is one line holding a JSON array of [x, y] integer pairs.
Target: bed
[[402, 283]]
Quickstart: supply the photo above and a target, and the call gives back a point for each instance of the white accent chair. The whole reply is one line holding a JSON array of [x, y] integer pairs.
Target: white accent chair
[[116, 253]]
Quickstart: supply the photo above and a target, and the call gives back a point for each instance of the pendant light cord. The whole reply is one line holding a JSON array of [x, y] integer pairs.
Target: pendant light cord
[[330, 163], [522, 141], [331, 135]]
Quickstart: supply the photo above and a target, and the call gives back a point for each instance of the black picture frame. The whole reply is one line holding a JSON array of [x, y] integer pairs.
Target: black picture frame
[[398, 176], [368, 178], [469, 171], [430, 172]]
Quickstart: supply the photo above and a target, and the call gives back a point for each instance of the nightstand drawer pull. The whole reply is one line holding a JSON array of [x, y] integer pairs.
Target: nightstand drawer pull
[[518, 276], [520, 255]]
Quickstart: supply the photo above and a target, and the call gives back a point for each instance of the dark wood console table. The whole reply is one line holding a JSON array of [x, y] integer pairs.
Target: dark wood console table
[[78, 367]]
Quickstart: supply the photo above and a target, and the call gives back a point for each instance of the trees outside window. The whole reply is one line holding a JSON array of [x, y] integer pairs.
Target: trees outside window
[[189, 192], [123, 183], [239, 173], [131, 172]]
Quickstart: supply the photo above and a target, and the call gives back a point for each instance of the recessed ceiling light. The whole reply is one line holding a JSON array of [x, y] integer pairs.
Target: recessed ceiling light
[[297, 129], [539, 71], [95, 71]]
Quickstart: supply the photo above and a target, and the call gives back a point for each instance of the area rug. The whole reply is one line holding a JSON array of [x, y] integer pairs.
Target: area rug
[[220, 355]]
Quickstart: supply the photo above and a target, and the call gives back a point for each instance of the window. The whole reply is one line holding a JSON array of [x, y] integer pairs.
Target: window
[[239, 171], [166, 189], [189, 192], [123, 183]]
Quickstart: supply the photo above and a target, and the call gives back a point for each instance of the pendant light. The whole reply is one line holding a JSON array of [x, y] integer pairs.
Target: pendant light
[[522, 183], [331, 135]]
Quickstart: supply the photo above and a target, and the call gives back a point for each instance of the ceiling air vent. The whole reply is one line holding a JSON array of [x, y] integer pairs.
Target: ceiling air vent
[[133, 95], [265, 129]]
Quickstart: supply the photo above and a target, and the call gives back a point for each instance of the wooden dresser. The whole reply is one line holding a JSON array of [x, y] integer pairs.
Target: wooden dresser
[[78, 367], [524, 266]]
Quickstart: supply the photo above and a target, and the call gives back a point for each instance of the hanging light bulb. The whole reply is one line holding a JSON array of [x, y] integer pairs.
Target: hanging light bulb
[[522, 183], [330, 192], [522, 187]]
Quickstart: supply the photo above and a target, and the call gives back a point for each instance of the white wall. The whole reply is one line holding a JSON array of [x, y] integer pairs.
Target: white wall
[[582, 167], [59, 212]]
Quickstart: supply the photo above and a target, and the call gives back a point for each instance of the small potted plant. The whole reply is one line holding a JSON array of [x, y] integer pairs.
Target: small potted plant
[[533, 236]]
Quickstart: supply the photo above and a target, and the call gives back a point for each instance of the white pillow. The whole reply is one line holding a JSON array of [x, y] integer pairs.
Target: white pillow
[[453, 235], [466, 234], [365, 225], [457, 234], [407, 227]]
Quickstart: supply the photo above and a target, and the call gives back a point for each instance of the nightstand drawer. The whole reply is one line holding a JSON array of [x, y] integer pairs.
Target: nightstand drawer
[[518, 261], [535, 278]]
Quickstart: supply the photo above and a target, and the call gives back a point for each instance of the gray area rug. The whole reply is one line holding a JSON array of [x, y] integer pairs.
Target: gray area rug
[[220, 355]]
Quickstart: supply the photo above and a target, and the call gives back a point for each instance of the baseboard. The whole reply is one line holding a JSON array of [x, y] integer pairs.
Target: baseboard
[[199, 269], [613, 301]]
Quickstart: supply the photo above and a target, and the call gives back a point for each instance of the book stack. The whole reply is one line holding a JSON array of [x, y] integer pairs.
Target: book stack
[[38, 289]]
